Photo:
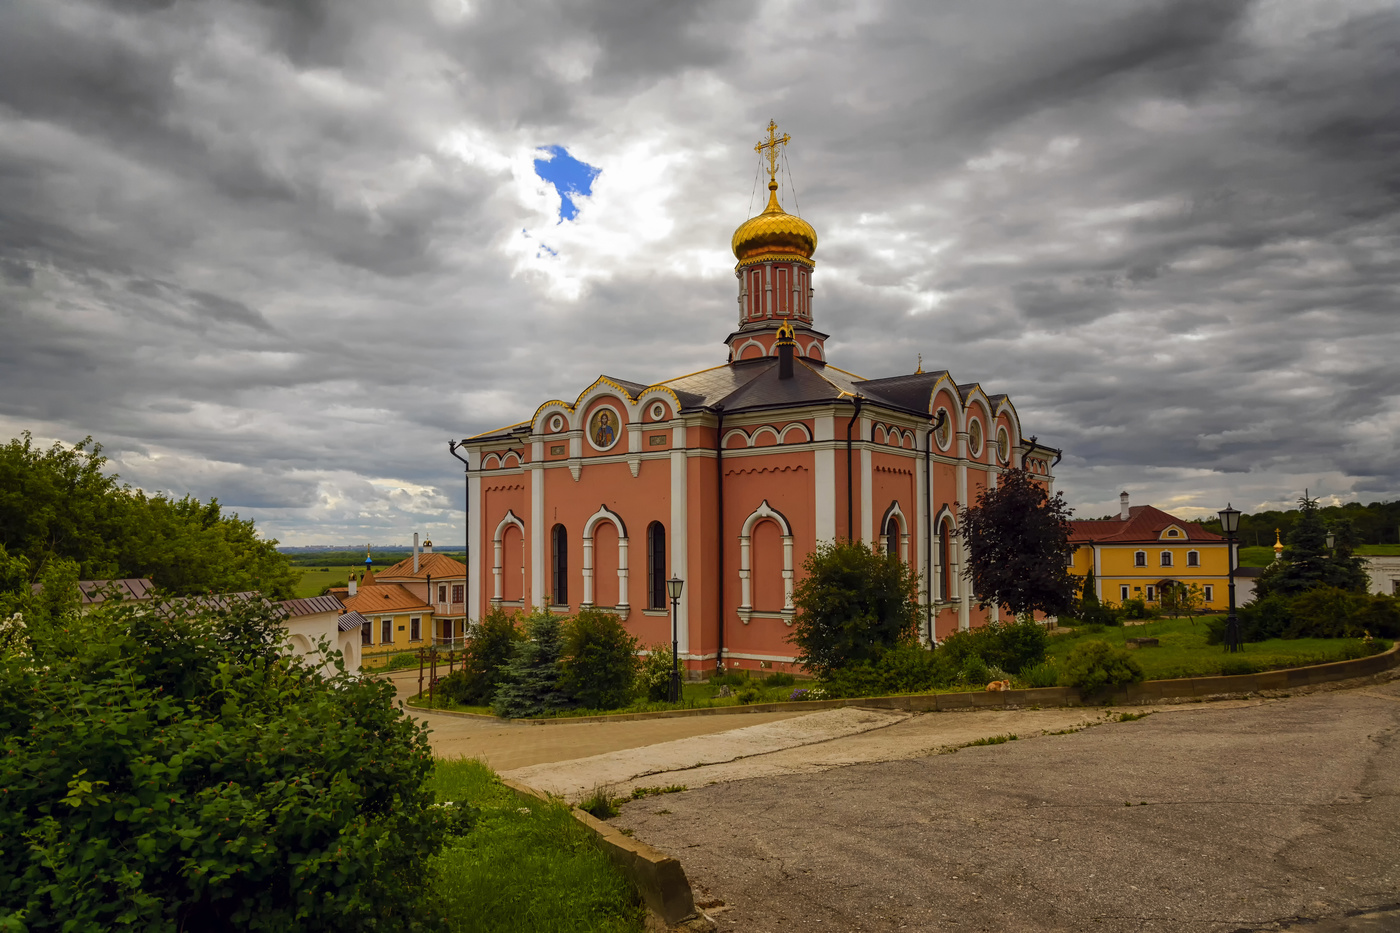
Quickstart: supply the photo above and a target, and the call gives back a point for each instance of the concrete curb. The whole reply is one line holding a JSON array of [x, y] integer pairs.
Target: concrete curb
[[1149, 691], [658, 878]]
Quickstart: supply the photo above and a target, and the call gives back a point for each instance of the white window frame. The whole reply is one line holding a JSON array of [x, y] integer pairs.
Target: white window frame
[[1139, 558], [1193, 558], [415, 628], [1166, 558], [1151, 596], [386, 624], [1210, 593], [1123, 592]]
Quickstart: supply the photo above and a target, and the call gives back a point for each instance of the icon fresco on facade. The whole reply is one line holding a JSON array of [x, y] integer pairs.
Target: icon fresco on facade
[[602, 428]]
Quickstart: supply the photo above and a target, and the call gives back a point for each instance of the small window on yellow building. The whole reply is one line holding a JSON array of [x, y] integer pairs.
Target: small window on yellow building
[[1193, 558], [1166, 558], [415, 629], [1210, 593], [1140, 559]]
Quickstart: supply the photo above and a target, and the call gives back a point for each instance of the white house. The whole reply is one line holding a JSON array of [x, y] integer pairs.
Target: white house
[[313, 619], [1384, 574]]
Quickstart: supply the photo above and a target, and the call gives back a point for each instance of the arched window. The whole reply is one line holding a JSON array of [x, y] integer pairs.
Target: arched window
[[656, 566], [1140, 559], [559, 539], [1166, 558], [1193, 558], [945, 553], [892, 536]]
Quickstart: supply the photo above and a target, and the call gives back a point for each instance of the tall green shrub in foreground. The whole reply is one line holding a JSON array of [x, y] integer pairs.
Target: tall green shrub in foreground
[[529, 683], [177, 771], [488, 650], [600, 669], [852, 604]]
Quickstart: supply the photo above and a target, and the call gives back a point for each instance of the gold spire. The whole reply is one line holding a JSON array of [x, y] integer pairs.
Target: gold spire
[[774, 141], [921, 365]]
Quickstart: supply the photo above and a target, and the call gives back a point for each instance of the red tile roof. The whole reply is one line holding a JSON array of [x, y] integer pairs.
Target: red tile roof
[[384, 597], [440, 566], [1145, 525]]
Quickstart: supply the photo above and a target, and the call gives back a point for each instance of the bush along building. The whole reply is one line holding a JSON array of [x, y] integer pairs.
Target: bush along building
[[727, 478], [1146, 551]]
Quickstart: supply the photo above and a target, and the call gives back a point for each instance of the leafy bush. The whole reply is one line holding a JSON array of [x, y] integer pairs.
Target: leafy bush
[[1134, 609], [1268, 617], [1096, 613], [530, 680], [600, 670], [654, 673], [1326, 612], [491, 645], [779, 679], [1380, 615], [906, 668], [171, 770], [1010, 647], [1095, 664], [852, 604], [974, 672], [737, 677], [747, 695], [1044, 674]]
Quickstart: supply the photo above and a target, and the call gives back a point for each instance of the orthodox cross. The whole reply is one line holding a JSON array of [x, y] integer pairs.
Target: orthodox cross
[[774, 141]]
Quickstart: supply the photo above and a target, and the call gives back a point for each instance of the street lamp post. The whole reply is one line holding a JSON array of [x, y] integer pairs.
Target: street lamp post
[[673, 589], [1331, 541], [1230, 523]]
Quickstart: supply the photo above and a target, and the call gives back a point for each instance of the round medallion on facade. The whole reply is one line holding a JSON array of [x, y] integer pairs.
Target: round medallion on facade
[[974, 438], [658, 412], [945, 430], [604, 428], [1003, 445], [556, 423]]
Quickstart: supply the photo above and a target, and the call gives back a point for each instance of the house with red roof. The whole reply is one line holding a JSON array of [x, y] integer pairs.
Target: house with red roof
[[1145, 551]]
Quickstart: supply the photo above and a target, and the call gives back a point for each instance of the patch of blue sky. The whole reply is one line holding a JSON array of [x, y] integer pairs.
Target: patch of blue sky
[[568, 175]]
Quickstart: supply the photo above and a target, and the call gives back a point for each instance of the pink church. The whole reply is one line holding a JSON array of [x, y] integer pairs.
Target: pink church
[[729, 477]]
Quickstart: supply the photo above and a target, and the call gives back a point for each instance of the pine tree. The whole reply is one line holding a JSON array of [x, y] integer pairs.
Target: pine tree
[[1090, 595], [530, 680], [1307, 562]]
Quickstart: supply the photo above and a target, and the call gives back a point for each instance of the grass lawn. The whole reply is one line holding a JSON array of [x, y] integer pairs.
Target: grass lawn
[[1184, 653], [1264, 556], [315, 579], [525, 865], [694, 696], [1378, 550]]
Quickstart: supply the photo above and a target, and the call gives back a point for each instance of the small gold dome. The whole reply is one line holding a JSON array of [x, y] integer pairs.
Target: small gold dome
[[774, 234]]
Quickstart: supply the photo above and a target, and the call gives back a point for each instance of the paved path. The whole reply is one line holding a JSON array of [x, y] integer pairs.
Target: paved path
[[1203, 818]]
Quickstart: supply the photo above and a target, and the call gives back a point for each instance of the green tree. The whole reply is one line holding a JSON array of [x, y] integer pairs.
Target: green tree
[[529, 683], [59, 503], [1308, 563], [488, 650], [1018, 539], [853, 603], [600, 666], [176, 770], [1095, 664], [1089, 595]]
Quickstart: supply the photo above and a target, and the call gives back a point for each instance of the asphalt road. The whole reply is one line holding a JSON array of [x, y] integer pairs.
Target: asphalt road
[[1219, 818]]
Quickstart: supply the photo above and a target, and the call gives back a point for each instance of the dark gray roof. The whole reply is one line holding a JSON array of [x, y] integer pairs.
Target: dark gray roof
[[349, 620], [311, 605], [912, 391], [96, 591]]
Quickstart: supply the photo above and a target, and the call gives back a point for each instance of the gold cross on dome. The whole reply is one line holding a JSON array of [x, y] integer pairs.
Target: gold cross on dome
[[774, 141]]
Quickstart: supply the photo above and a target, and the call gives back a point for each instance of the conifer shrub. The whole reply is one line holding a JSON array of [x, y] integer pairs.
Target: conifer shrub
[[1044, 674], [529, 684], [1095, 664], [173, 769], [779, 679], [600, 666]]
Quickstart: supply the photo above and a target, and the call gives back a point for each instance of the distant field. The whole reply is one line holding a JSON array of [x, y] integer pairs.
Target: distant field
[[382, 558], [315, 579], [1264, 556]]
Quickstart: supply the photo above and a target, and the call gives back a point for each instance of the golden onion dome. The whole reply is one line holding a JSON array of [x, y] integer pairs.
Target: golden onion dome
[[774, 234]]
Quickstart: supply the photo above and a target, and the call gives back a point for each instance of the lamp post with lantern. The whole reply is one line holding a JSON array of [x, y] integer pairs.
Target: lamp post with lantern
[[1230, 524], [673, 589]]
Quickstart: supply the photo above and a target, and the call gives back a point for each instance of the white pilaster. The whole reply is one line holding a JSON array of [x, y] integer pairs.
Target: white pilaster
[[867, 491], [537, 584], [824, 479], [679, 540], [622, 576]]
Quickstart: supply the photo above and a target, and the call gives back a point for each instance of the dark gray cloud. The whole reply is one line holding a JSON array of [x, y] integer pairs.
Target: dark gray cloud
[[279, 253]]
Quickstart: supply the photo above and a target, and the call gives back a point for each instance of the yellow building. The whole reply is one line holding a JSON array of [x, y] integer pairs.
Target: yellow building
[[1145, 550], [395, 619]]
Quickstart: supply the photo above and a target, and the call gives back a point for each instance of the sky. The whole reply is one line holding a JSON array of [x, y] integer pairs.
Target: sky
[[279, 253]]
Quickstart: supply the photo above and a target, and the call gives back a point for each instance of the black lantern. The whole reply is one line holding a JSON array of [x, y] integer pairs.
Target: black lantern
[[673, 589], [1331, 540], [1230, 523]]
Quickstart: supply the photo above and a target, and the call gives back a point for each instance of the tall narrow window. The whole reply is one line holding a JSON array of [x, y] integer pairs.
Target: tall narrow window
[[892, 536], [1166, 558], [1123, 594], [1151, 593], [1193, 558], [560, 538], [442, 592], [386, 631], [656, 566], [945, 552], [1140, 559], [1210, 593], [415, 629], [367, 633], [458, 592]]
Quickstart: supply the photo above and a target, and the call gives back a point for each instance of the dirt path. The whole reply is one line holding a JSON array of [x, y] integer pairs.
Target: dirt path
[[1203, 818]]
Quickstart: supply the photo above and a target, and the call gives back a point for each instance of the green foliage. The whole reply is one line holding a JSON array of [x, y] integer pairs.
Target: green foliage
[[1320, 612], [58, 503], [1044, 674], [492, 644], [529, 684], [747, 695], [1374, 524], [1096, 613], [1010, 647], [1094, 665], [1307, 561], [905, 668], [1270, 616], [600, 670], [600, 804], [853, 604], [1135, 609], [654, 673], [1018, 539], [735, 677], [177, 771], [779, 679]]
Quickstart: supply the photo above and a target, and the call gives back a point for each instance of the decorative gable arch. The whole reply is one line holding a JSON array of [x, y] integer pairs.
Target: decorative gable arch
[[895, 513]]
